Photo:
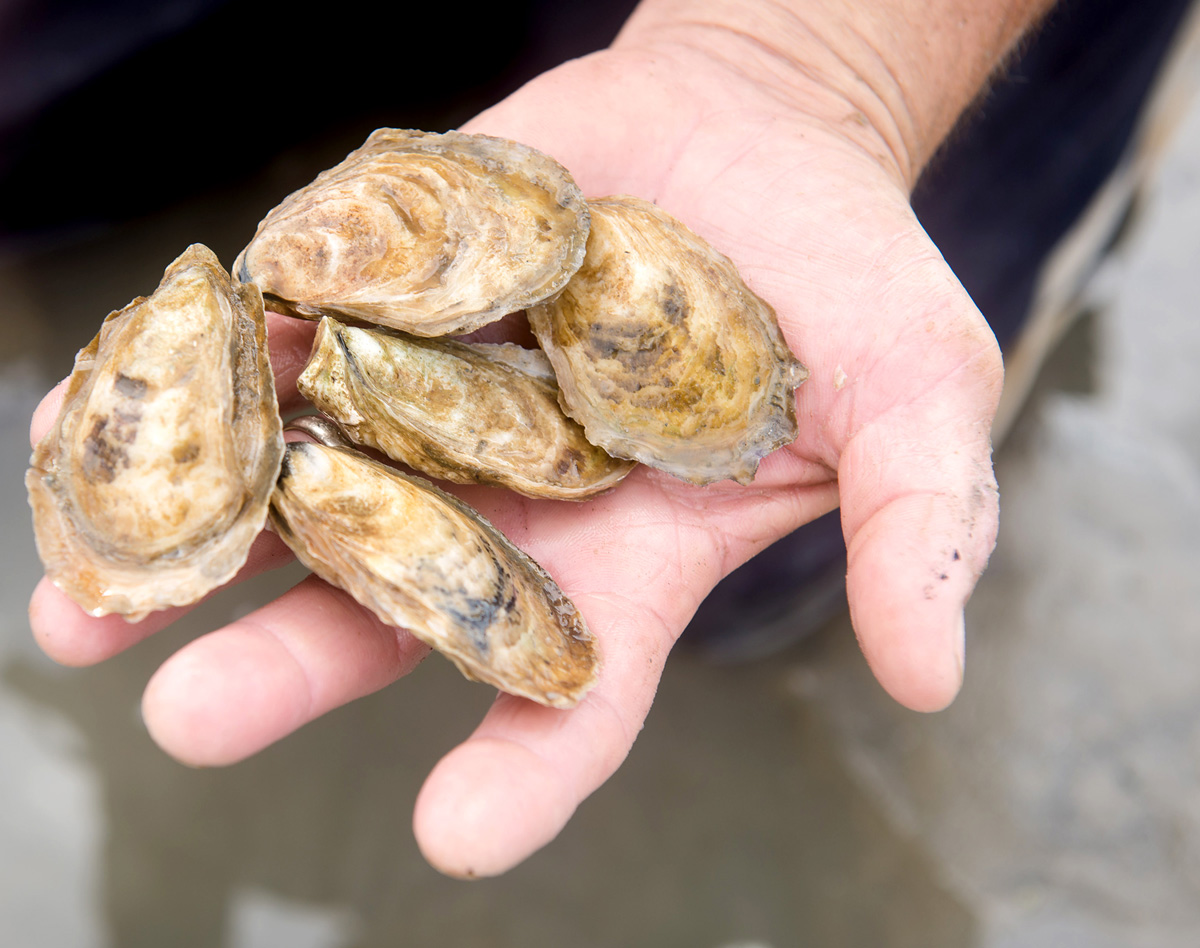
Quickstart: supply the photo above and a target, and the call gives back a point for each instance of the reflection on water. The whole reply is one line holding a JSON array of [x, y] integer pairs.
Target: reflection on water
[[259, 919], [51, 822]]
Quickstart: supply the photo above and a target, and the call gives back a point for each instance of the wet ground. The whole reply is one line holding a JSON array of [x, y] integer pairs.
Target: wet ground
[[782, 803]]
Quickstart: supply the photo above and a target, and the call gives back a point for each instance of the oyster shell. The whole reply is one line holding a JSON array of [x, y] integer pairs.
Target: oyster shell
[[433, 234], [420, 559], [150, 487], [468, 413], [663, 354]]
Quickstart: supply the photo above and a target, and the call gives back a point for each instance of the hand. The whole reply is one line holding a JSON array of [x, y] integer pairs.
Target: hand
[[893, 423]]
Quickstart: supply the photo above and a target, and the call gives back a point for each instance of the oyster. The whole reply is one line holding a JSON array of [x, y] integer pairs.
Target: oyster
[[468, 413], [433, 234], [150, 487], [663, 354], [420, 559]]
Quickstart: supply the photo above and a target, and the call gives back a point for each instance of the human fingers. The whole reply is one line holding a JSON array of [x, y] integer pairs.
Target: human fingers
[[636, 562], [46, 411], [289, 344], [72, 637], [232, 692], [235, 691], [511, 787], [920, 512]]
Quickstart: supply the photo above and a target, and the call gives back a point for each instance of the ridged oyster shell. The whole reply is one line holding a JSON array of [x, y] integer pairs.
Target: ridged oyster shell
[[424, 561], [464, 412], [154, 480], [434, 234], [662, 352]]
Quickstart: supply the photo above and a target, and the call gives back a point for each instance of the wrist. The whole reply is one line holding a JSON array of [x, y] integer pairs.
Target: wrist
[[893, 77]]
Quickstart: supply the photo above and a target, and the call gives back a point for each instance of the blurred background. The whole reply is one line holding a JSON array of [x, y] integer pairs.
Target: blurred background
[[773, 803]]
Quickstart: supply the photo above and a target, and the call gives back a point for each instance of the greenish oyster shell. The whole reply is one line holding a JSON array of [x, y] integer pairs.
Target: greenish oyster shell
[[463, 412], [154, 480], [434, 234], [421, 560], [662, 352]]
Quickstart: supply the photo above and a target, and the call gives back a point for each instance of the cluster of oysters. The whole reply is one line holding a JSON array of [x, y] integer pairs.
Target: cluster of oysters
[[168, 454]]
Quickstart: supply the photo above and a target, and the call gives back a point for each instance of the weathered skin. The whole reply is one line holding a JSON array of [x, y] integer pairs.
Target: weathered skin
[[664, 355], [155, 478], [467, 413], [421, 560], [432, 234]]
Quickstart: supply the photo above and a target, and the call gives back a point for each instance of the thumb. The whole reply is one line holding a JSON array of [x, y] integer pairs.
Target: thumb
[[920, 510]]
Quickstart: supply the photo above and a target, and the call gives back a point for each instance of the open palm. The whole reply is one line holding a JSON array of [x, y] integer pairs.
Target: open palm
[[893, 422]]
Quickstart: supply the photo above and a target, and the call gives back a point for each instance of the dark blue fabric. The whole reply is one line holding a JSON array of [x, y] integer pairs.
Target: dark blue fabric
[[1027, 160]]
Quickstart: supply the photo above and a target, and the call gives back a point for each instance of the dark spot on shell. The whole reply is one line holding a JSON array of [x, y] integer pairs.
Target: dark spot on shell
[[351, 361], [282, 528], [634, 345], [570, 460], [476, 615], [101, 456], [131, 387], [125, 430], [285, 466], [715, 362], [674, 305], [186, 453]]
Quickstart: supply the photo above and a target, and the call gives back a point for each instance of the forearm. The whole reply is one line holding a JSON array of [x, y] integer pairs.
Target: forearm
[[900, 70]]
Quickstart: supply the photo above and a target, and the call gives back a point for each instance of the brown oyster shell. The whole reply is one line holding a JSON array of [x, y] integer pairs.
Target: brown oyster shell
[[434, 234], [150, 487], [422, 560], [664, 355], [464, 412]]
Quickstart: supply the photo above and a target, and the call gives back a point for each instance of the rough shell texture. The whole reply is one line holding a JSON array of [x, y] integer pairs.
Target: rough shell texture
[[468, 413], [664, 355], [432, 234], [422, 560], [155, 478]]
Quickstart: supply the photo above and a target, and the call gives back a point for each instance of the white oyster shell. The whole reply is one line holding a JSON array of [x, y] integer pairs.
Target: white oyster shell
[[434, 234], [662, 352], [471, 413], [154, 480], [422, 560]]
